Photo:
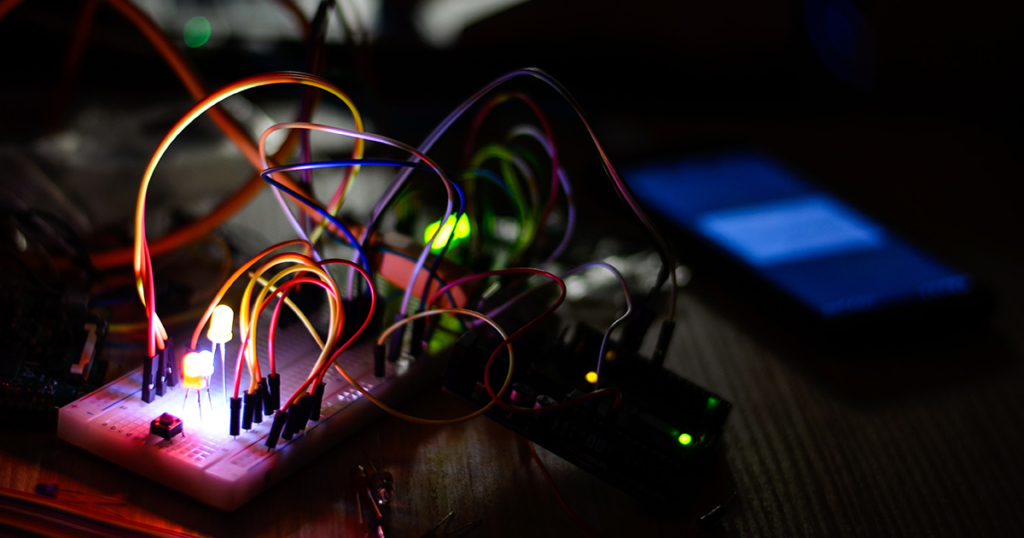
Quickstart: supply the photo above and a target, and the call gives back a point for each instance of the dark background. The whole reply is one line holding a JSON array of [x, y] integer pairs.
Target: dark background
[[890, 88], [909, 109]]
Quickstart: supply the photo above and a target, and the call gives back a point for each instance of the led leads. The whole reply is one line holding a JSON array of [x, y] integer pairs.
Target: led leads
[[220, 334], [196, 371]]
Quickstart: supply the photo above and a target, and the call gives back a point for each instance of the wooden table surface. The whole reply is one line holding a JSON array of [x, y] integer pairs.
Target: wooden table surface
[[911, 442]]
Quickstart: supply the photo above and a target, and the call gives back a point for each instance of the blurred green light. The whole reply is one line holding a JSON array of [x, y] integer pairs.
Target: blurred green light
[[460, 230], [712, 402], [685, 439], [197, 32]]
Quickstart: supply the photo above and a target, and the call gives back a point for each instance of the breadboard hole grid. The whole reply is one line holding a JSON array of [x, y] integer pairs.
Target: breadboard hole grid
[[117, 412]]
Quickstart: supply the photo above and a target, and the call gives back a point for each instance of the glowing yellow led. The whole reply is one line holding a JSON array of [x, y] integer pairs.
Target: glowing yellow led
[[205, 363], [198, 364], [196, 367], [685, 439], [460, 231], [220, 324], [591, 377]]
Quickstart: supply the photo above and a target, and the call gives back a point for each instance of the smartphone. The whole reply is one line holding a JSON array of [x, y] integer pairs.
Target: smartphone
[[803, 253]]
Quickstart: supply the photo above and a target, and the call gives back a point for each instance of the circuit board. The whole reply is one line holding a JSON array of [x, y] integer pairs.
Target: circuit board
[[51, 344], [657, 444], [206, 462]]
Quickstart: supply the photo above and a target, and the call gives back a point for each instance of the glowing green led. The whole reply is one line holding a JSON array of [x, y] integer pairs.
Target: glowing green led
[[460, 231], [685, 439], [712, 402], [197, 32]]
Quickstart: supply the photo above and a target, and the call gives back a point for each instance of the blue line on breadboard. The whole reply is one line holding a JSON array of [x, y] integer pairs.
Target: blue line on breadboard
[[122, 399]]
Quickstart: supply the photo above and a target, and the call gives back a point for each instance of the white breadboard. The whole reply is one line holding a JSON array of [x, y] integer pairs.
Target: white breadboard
[[207, 463]]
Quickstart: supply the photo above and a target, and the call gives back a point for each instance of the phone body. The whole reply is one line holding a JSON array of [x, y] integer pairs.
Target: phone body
[[804, 254]]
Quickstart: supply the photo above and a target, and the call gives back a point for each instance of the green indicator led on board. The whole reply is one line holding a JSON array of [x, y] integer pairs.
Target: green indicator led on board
[[712, 402], [450, 231], [197, 32], [685, 439]]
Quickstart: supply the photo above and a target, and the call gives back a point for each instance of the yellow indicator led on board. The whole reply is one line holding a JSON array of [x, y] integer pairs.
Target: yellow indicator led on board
[[591, 377]]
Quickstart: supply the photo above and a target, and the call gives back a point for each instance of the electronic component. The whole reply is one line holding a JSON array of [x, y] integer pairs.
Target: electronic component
[[374, 511], [655, 445], [166, 426], [220, 466], [220, 334], [197, 367], [806, 256], [382, 485], [159, 372], [231, 453], [452, 233], [51, 345]]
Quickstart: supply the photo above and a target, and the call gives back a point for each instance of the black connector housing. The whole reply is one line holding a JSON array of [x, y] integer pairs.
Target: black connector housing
[[280, 418], [171, 363], [318, 401], [378, 361], [257, 406], [236, 416], [298, 417], [149, 368], [158, 372], [419, 328], [248, 402], [261, 402], [637, 326], [160, 377], [664, 338], [273, 400], [395, 341], [302, 413]]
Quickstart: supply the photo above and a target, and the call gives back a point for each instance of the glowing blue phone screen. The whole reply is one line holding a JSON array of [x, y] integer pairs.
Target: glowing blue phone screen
[[807, 242]]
